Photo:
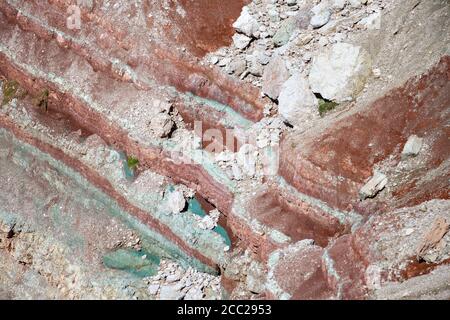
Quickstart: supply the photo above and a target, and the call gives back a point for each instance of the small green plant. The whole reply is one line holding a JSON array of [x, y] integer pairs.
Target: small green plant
[[42, 99], [132, 162], [326, 106], [10, 89]]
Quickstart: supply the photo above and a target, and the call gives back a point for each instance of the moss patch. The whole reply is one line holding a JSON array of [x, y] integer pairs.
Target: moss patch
[[140, 264], [132, 162], [42, 99], [326, 106], [10, 90]]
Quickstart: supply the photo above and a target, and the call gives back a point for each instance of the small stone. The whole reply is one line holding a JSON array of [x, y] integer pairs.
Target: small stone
[[323, 41], [215, 214], [320, 15], [261, 57], [285, 32], [372, 22], [247, 160], [173, 278], [246, 23], [241, 41], [153, 289], [194, 294], [412, 147], [275, 75], [162, 106], [274, 15], [224, 62], [356, 3], [237, 66], [237, 172], [207, 223], [162, 125], [339, 5], [376, 184], [170, 292], [256, 278], [214, 60], [376, 72]]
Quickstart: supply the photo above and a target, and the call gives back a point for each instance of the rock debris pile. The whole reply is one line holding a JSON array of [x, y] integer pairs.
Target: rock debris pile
[[175, 283], [298, 50]]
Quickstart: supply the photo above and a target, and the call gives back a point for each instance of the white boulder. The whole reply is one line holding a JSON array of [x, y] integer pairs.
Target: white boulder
[[340, 72], [241, 41], [246, 23], [175, 202], [296, 100], [376, 184], [412, 147]]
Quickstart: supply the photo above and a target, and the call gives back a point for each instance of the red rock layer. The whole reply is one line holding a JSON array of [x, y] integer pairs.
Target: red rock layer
[[159, 61], [102, 183], [334, 164]]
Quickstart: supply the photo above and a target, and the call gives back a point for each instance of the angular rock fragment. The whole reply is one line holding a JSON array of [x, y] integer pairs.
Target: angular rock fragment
[[357, 3], [376, 184], [412, 147], [372, 22], [246, 24], [433, 241], [287, 28], [194, 294], [162, 125], [275, 75], [339, 5], [256, 278], [175, 202], [321, 15], [241, 41], [170, 292], [153, 289], [237, 66]]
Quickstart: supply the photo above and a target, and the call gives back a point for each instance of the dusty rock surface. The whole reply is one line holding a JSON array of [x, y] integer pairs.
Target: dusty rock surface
[[289, 149]]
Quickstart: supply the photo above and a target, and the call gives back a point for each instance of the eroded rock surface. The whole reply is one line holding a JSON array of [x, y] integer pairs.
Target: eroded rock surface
[[266, 149]]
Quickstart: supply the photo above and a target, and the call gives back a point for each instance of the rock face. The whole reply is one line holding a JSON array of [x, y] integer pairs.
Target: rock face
[[382, 250], [340, 73], [296, 100], [274, 77], [101, 82]]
